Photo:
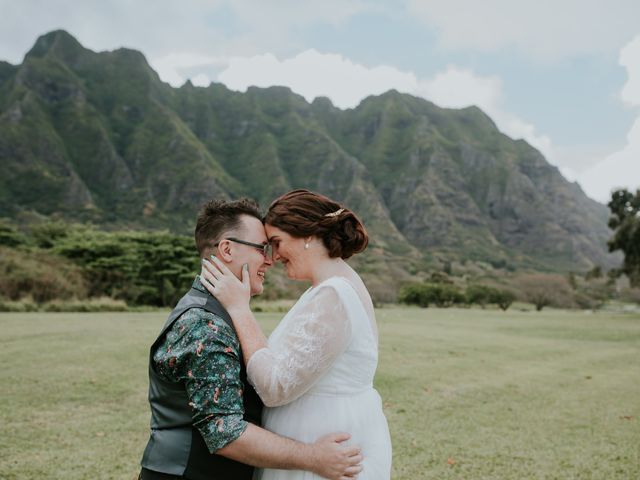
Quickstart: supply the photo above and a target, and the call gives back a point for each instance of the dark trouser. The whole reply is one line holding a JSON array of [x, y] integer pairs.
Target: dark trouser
[[151, 475]]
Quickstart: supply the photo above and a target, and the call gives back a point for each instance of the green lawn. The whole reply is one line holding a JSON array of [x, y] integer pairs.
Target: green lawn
[[469, 394]]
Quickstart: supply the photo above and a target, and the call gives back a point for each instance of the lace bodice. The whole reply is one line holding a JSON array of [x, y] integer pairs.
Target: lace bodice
[[325, 344]]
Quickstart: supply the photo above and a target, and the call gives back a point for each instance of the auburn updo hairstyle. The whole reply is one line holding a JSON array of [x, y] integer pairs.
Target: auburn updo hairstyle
[[302, 213]]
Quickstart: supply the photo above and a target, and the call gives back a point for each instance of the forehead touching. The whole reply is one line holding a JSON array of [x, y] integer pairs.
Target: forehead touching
[[252, 229], [275, 232]]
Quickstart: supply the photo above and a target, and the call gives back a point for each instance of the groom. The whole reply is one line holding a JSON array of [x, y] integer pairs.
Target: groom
[[204, 414]]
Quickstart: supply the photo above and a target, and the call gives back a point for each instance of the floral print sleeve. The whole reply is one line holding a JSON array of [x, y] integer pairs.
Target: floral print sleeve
[[203, 351]]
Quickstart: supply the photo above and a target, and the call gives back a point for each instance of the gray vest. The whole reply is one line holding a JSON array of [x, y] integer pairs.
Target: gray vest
[[175, 446]]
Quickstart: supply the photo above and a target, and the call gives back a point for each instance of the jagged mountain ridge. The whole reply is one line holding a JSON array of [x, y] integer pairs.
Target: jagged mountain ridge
[[98, 136]]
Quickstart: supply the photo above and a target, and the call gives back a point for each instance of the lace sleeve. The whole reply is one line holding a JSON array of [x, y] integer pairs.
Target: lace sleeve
[[319, 333]]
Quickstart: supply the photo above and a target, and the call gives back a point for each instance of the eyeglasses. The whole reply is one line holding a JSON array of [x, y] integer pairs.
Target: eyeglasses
[[265, 248]]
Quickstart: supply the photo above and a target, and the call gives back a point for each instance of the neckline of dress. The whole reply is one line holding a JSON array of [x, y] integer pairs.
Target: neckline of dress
[[339, 277], [355, 292]]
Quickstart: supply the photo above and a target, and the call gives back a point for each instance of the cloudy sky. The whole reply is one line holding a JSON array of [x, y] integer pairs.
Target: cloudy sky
[[564, 74]]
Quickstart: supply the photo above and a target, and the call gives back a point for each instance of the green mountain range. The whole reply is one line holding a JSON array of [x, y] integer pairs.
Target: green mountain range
[[99, 137]]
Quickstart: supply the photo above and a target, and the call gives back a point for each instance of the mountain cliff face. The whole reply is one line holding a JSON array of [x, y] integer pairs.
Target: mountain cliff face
[[98, 136]]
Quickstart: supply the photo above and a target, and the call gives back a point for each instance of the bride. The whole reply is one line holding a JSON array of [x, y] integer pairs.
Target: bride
[[315, 372]]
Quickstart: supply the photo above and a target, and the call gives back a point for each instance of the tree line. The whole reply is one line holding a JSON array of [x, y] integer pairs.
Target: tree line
[[444, 295], [590, 290], [54, 260]]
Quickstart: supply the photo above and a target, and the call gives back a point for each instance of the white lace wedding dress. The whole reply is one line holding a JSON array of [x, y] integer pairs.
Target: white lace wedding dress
[[316, 377]]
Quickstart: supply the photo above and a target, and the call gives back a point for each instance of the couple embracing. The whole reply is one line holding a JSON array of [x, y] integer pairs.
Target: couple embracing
[[299, 405]]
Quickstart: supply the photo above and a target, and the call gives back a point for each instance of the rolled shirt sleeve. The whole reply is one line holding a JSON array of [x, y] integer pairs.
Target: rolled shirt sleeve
[[202, 351]]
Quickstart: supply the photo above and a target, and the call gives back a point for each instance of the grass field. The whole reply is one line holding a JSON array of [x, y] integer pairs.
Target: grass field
[[469, 394]]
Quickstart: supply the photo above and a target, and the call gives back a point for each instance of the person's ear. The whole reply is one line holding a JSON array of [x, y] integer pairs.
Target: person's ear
[[225, 251]]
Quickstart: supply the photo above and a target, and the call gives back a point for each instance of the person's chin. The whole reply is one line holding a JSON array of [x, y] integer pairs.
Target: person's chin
[[289, 272], [257, 289]]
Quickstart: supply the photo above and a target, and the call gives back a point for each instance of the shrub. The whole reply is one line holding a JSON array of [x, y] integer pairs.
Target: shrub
[[48, 234], [479, 294], [75, 261], [39, 275], [9, 235], [440, 277], [543, 290], [25, 304], [502, 298], [101, 304], [425, 294], [595, 272], [415, 294], [141, 268], [594, 294], [447, 295], [483, 295], [630, 295]]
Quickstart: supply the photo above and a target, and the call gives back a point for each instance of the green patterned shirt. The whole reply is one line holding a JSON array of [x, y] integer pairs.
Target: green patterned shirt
[[202, 351]]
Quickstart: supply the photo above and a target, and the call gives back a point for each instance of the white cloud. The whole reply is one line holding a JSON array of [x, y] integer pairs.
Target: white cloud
[[568, 173], [630, 59], [155, 29], [313, 74], [546, 30], [457, 88], [163, 27], [575, 160], [201, 80], [620, 169], [288, 13], [174, 68]]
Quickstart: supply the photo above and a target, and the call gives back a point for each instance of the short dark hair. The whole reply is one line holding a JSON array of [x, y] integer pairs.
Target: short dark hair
[[302, 213], [219, 216]]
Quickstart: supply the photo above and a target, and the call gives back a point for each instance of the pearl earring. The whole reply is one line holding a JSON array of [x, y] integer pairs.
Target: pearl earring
[[306, 246]]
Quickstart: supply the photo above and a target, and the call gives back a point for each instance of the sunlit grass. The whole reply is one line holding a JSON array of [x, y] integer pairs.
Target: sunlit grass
[[469, 394]]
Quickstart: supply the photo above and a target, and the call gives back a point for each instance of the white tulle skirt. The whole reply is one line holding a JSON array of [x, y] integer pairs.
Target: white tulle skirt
[[316, 414]]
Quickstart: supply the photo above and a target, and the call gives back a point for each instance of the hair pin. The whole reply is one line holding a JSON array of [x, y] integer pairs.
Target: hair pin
[[335, 214]]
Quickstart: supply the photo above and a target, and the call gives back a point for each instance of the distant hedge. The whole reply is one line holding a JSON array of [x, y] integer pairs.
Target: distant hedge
[[53, 265], [446, 295], [150, 268], [425, 294], [59, 261], [39, 275], [483, 295]]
